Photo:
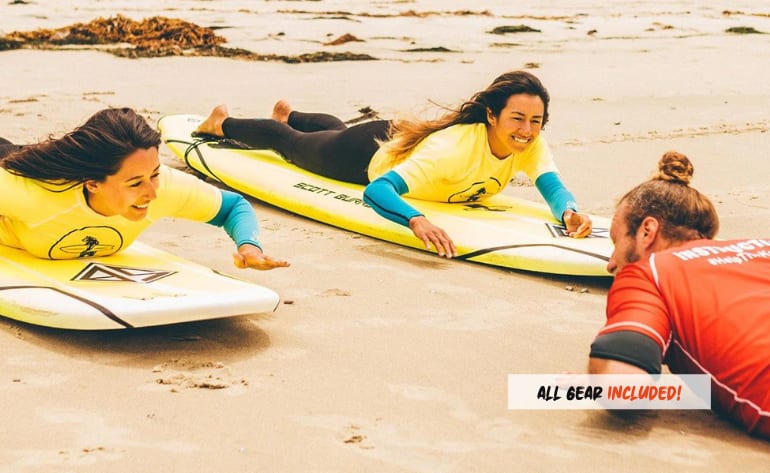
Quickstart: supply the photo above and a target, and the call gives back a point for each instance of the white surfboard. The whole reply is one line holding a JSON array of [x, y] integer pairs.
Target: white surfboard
[[501, 230], [139, 287]]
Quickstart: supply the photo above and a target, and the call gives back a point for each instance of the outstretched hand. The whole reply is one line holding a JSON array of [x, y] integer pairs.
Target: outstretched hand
[[578, 225], [432, 235], [250, 256]]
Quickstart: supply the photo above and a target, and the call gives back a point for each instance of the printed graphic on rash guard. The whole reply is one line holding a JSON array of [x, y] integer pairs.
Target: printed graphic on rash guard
[[87, 242], [477, 191], [736, 253]]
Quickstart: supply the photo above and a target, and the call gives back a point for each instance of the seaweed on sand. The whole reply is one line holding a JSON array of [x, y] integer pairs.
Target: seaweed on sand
[[153, 37]]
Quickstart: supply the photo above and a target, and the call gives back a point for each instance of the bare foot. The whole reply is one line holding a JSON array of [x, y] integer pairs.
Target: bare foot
[[281, 111], [213, 124]]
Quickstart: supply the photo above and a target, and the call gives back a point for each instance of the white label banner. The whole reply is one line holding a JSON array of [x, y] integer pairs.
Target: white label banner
[[609, 391]]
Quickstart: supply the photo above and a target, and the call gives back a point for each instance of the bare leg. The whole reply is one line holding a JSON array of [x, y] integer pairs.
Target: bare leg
[[212, 125]]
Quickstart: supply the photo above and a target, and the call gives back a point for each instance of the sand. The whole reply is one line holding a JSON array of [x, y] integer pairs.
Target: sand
[[383, 358]]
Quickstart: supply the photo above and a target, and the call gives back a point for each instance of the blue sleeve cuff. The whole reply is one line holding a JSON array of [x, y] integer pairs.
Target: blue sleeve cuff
[[237, 217], [384, 196], [556, 195]]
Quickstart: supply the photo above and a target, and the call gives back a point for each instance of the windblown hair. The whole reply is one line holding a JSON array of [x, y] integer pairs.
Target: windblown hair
[[92, 151], [683, 212], [406, 134]]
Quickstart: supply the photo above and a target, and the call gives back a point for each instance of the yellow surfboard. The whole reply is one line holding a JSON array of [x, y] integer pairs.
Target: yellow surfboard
[[501, 230], [138, 287]]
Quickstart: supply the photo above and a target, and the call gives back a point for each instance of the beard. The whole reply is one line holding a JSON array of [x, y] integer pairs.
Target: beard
[[631, 255]]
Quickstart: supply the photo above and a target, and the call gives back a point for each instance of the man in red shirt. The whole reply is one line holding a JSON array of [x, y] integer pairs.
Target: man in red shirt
[[699, 305]]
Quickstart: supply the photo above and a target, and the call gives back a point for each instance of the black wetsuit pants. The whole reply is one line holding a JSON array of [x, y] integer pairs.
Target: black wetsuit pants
[[317, 142]]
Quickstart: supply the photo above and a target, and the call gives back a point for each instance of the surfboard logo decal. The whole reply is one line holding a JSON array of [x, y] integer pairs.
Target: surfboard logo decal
[[111, 273], [560, 231], [312, 188]]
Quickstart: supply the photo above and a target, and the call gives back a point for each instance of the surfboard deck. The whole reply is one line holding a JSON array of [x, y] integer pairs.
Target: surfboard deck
[[141, 286], [501, 230]]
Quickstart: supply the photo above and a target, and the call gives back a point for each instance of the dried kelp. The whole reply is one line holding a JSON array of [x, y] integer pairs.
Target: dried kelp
[[738, 12], [436, 49], [151, 33], [345, 38], [513, 29], [153, 37], [365, 113], [743, 30], [6, 44]]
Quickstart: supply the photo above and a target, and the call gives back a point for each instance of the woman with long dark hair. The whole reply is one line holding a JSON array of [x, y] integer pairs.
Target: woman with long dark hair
[[466, 155], [94, 190]]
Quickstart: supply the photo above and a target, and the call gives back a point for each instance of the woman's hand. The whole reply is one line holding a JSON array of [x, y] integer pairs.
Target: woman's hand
[[578, 225], [432, 235], [250, 256]]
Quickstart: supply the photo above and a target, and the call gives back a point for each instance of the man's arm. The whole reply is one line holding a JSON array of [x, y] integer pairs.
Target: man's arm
[[605, 366]]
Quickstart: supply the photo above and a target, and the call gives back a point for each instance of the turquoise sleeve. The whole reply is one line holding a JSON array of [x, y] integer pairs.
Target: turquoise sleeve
[[556, 195], [384, 196], [238, 219]]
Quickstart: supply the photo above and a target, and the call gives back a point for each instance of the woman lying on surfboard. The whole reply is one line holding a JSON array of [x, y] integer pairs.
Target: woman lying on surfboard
[[466, 155], [94, 190]]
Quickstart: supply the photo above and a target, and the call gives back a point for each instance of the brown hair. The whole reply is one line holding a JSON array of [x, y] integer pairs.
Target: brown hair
[[92, 151], [407, 134], [684, 213]]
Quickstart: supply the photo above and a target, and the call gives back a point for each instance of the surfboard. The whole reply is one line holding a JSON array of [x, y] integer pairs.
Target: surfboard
[[502, 230], [141, 286]]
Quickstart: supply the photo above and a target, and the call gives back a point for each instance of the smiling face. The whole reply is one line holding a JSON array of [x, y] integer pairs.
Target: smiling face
[[129, 191], [517, 126]]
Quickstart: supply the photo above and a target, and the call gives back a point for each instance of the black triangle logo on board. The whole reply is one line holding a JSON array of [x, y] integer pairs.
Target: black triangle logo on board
[[109, 273], [560, 231]]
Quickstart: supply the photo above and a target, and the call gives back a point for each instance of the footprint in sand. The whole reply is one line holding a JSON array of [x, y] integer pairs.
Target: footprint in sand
[[188, 374]]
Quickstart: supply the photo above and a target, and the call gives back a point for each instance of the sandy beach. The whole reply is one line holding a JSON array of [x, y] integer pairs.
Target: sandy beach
[[383, 358]]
